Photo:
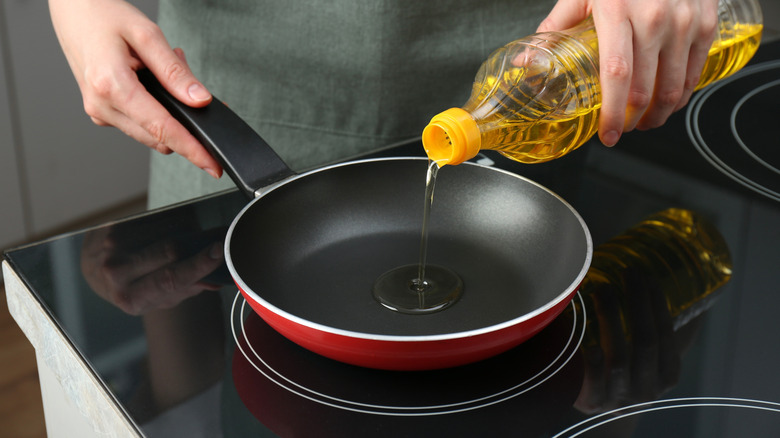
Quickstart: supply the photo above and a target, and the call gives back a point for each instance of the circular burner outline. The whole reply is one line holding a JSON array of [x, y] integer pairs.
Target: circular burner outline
[[734, 130], [451, 408], [660, 405], [692, 126]]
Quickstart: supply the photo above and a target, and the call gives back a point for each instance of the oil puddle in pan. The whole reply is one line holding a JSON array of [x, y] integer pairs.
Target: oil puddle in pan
[[421, 288]]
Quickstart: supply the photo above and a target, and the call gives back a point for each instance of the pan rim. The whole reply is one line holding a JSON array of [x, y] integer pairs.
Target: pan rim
[[568, 291]]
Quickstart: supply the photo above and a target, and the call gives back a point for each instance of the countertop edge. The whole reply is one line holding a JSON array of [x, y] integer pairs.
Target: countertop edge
[[85, 392]]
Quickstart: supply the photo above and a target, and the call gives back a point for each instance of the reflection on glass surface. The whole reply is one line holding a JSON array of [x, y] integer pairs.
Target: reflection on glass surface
[[152, 263], [643, 289], [138, 299], [167, 269]]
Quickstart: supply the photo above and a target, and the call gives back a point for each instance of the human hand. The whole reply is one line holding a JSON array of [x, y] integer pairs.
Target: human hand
[[151, 264], [651, 55], [105, 42]]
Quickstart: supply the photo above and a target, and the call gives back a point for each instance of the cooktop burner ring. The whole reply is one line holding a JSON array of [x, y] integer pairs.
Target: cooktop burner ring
[[240, 313], [734, 129], [736, 158], [662, 405]]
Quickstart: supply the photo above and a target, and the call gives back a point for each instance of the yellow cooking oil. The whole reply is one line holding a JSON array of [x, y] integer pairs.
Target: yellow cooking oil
[[728, 55], [538, 98], [537, 130]]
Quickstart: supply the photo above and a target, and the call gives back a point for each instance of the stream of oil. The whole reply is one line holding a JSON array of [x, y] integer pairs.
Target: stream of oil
[[420, 288]]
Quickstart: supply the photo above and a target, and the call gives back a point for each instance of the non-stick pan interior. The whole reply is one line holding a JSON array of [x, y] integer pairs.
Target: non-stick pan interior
[[314, 246]]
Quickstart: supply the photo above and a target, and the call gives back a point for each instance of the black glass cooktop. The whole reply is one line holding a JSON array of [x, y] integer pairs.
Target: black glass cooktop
[[189, 358]]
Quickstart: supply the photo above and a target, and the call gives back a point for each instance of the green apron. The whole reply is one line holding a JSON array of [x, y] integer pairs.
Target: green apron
[[329, 80]]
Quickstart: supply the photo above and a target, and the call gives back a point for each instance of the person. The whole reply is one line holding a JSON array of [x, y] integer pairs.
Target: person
[[328, 81]]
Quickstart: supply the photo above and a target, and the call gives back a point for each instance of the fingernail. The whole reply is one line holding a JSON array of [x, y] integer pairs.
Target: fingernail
[[610, 138], [211, 172], [198, 92], [216, 251]]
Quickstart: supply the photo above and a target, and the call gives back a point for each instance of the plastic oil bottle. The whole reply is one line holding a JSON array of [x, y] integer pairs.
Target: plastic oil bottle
[[538, 98]]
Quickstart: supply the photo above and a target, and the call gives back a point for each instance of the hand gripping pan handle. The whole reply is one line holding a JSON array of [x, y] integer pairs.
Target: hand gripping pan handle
[[246, 157]]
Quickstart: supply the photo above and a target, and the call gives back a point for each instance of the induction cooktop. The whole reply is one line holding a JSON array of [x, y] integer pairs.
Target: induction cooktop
[[597, 370]]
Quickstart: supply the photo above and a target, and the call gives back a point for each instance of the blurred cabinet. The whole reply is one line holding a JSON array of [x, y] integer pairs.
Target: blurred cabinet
[[771, 11], [11, 209], [56, 166]]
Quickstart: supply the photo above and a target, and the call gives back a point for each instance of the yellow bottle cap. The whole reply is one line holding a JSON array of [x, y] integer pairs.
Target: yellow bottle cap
[[451, 137]]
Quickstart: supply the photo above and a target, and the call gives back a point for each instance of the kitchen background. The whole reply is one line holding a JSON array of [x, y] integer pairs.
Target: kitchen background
[[57, 169], [59, 172]]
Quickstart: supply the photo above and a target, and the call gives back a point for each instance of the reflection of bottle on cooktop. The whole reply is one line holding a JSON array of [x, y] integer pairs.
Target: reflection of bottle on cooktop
[[674, 254], [538, 98]]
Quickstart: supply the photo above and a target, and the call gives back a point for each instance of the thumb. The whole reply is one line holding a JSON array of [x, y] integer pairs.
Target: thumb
[[171, 69], [181, 83], [195, 90]]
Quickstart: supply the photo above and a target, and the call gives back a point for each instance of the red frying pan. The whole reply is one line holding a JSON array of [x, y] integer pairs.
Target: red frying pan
[[307, 249]]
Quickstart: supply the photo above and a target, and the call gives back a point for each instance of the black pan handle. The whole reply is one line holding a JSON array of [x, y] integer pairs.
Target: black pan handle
[[246, 157]]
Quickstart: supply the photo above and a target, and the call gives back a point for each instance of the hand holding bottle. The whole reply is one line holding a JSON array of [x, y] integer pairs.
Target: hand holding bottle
[[540, 97], [105, 42], [651, 56]]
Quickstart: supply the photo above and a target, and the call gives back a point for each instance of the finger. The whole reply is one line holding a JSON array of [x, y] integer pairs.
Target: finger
[[697, 59], [669, 83], [643, 79], [164, 131], [179, 52], [153, 126], [114, 96], [132, 129], [167, 66], [616, 57], [668, 90], [170, 68]]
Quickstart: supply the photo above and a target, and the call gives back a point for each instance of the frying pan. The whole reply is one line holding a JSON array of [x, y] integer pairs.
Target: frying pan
[[306, 250]]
